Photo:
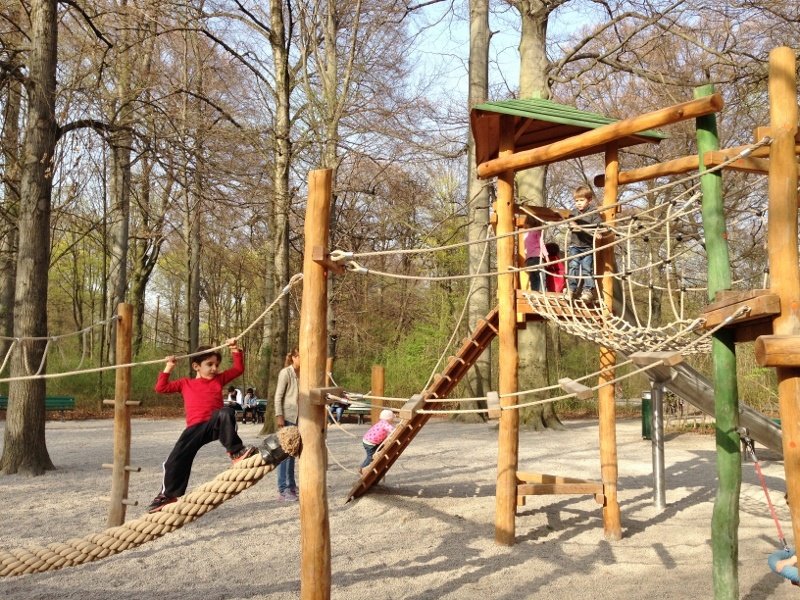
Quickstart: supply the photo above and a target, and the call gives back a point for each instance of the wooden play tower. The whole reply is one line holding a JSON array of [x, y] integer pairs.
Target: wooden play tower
[[510, 137]]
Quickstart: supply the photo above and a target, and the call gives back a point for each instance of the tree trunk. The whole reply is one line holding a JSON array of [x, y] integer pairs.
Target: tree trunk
[[532, 341], [25, 448], [278, 273], [479, 378], [10, 211]]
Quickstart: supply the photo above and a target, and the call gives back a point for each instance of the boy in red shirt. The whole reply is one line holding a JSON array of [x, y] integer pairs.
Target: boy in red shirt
[[206, 418]]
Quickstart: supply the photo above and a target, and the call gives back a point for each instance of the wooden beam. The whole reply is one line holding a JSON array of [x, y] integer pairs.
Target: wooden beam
[[410, 408], [761, 132], [778, 351], [573, 387], [750, 332], [762, 303], [531, 477], [667, 359], [598, 137], [748, 164], [546, 489], [676, 166]]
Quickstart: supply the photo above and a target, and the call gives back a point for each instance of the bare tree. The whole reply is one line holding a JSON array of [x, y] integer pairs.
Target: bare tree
[[25, 449]]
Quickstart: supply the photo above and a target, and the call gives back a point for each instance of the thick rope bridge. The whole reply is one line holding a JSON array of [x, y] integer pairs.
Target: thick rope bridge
[[173, 516]]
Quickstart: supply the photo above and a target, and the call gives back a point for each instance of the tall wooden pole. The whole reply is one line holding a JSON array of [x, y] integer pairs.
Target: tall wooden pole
[[607, 408], [377, 387], [782, 247], [315, 543], [120, 474], [725, 518], [508, 443]]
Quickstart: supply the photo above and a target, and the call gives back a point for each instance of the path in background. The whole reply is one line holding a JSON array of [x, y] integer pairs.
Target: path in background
[[426, 534]]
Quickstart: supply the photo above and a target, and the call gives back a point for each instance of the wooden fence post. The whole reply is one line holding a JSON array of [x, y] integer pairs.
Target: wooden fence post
[[120, 473]]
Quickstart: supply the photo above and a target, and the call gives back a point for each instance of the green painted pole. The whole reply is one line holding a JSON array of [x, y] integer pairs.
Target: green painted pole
[[725, 520]]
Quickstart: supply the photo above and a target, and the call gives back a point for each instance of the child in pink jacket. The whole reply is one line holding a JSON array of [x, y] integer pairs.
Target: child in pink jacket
[[376, 435]]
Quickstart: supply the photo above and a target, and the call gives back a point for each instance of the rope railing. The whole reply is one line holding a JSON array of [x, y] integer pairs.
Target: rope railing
[[294, 280]]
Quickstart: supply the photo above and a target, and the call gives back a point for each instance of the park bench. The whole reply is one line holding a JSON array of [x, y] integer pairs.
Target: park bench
[[358, 409], [59, 403]]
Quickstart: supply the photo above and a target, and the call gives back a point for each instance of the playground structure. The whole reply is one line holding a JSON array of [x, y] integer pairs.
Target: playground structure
[[766, 317]]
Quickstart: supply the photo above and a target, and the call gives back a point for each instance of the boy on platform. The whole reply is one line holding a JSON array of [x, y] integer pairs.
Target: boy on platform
[[580, 269], [206, 418]]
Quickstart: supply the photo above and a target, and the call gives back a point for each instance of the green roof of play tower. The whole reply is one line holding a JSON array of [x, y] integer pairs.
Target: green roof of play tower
[[541, 122]]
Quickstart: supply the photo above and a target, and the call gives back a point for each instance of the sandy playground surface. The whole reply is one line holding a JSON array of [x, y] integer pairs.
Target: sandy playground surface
[[426, 533]]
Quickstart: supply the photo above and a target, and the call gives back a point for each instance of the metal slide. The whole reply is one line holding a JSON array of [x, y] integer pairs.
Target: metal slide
[[690, 385]]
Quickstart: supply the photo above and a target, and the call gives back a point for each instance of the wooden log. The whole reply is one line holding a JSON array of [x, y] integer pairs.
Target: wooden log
[[509, 161], [778, 351], [315, 545], [761, 304], [783, 256], [410, 408], [606, 402], [120, 476], [508, 441], [761, 132]]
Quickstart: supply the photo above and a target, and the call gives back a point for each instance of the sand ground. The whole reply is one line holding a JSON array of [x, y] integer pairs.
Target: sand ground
[[426, 533]]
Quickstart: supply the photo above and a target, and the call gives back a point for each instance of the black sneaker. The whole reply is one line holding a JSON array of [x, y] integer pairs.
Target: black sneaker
[[160, 502], [242, 454]]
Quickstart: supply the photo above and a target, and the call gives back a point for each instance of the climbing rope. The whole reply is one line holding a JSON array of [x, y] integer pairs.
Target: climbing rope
[[114, 540]]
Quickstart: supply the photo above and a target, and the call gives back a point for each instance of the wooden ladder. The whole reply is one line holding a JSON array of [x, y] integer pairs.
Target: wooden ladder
[[443, 384]]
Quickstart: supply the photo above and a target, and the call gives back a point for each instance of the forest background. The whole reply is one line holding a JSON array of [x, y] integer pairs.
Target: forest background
[[156, 152]]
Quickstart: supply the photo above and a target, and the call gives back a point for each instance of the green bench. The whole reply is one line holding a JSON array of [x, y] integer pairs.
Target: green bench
[[59, 403], [358, 410]]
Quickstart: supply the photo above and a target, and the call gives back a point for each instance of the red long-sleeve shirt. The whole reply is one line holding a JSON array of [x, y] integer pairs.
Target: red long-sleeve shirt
[[201, 397]]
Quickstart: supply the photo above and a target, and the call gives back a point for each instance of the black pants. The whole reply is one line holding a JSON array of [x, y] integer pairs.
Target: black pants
[[178, 466]]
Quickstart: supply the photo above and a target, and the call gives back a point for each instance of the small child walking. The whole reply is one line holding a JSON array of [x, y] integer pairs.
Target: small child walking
[[376, 435], [207, 419]]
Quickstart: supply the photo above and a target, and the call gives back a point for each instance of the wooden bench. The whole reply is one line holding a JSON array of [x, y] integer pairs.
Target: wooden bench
[[59, 403]]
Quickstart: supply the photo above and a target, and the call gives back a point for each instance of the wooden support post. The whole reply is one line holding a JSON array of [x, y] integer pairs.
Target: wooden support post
[[725, 518], [606, 402], [508, 442], [782, 246], [509, 161], [315, 543], [377, 379], [120, 475]]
